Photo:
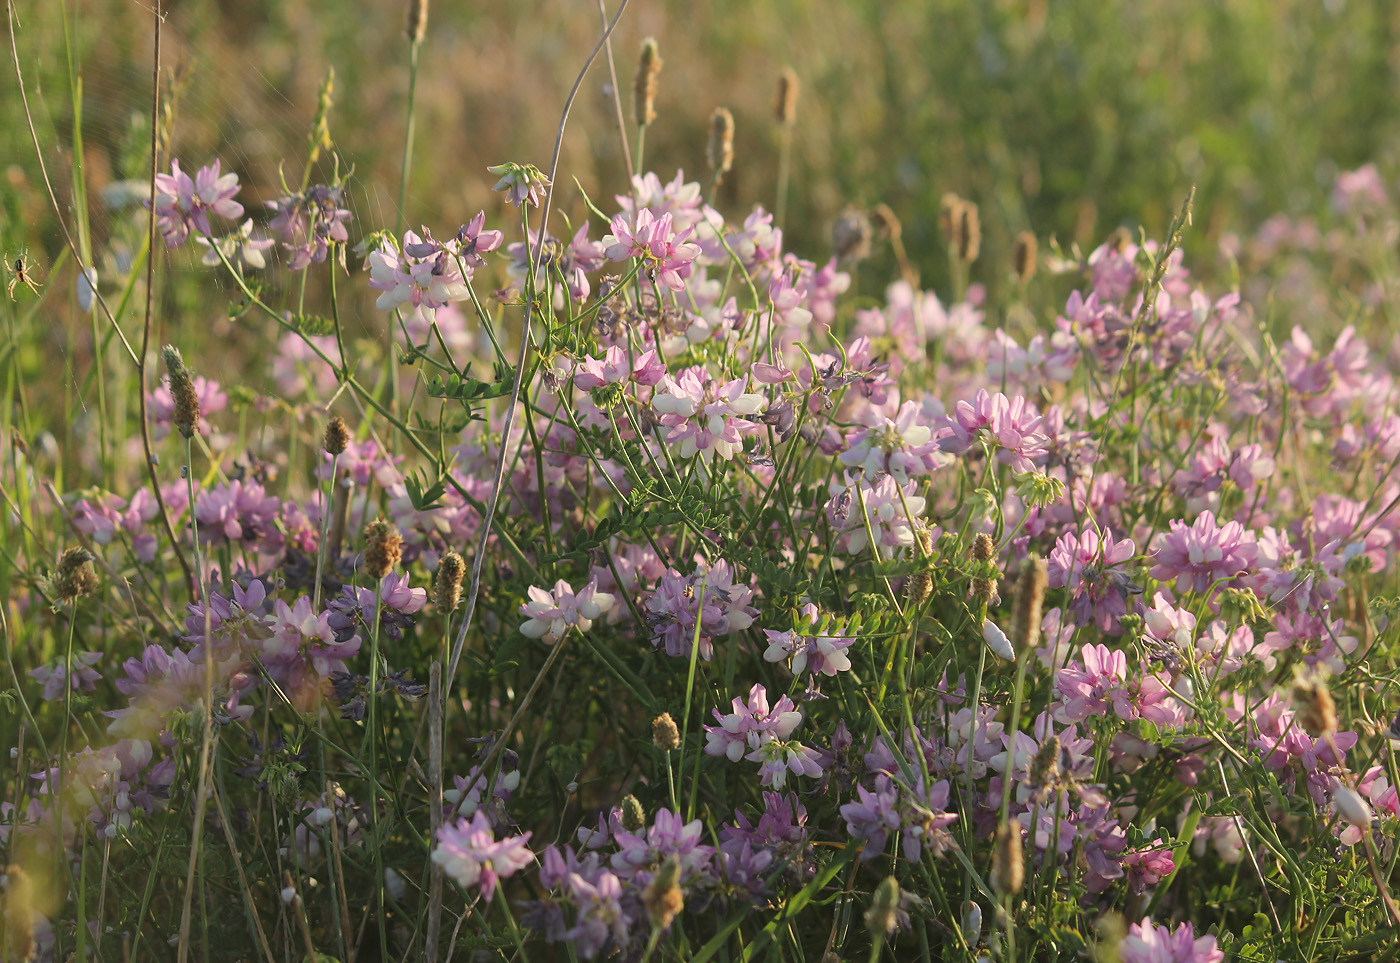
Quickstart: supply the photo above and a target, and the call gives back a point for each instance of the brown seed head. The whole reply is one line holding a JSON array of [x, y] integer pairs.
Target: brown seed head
[[785, 110], [1045, 766], [634, 818], [850, 236], [969, 233], [949, 216], [1008, 865], [664, 733], [417, 23], [75, 576], [336, 436], [982, 547], [720, 152], [447, 584], [1030, 598], [919, 587], [662, 897], [186, 401], [644, 82], [1023, 257], [886, 221], [383, 548]]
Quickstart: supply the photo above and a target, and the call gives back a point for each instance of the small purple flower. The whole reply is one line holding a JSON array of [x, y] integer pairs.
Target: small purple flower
[[182, 204], [706, 417], [55, 676], [818, 654], [709, 596], [310, 222], [669, 835], [1085, 564], [470, 853], [522, 183]]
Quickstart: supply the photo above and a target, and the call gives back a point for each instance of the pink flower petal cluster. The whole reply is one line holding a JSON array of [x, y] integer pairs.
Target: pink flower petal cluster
[[183, 204], [1147, 942], [705, 417], [1202, 553], [765, 733], [1011, 425], [553, 613], [470, 853], [667, 255]]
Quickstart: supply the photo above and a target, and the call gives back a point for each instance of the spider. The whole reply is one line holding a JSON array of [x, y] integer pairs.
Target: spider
[[20, 273]]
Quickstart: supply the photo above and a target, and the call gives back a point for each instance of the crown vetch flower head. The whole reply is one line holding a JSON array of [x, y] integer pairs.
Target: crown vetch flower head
[[470, 853], [551, 614], [182, 204]]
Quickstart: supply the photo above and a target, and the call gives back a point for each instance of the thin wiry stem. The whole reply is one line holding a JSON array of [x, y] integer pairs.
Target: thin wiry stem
[[479, 559]]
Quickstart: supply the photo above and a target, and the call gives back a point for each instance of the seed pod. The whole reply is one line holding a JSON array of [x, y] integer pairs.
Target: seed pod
[[720, 151], [634, 818], [984, 587], [75, 576], [1008, 865], [882, 918], [417, 23], [336, 436], [662, 897], [1023, 257], [644, 82], [785, 110], [982, 547], [186, 401], [1045, 766], [383, 548], [664, 734], [447, 584], [1030, 598]]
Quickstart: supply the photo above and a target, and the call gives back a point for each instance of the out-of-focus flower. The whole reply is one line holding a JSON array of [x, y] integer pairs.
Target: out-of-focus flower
[[183, 204]]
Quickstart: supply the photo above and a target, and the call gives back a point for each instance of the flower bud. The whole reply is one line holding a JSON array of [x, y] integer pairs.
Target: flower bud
[[1030, 598], [997, 641], [972, 922], [1352, 807], [417, 23], [664, 734], [1023, 257], [882, 918], [186, 401], [918, 588], [634, 818], [785, 110], [720, 151], [75, 576], [1008, 865], [383, 548], [662, 897], [644, 82], [336, 437], [447, 584]]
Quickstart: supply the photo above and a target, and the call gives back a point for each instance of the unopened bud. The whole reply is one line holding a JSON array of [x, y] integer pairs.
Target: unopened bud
[[417, 23], [447, 584], [186, 402], [882, 918], [720, 151], [1008, 865], [1023, 257], [75, 576], [785, 110], [1352, 807], [336, 437], [664, 734], [644, 82], [1030, 599], [1317, 712], [662, 896], [383, 548], [634, 818]]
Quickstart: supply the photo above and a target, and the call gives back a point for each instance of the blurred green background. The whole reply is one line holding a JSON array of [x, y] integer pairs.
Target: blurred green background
[[1070, 118]]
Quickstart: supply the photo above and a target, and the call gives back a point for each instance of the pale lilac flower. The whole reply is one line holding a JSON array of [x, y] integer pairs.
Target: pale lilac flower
[[891, 508], [1086, 564], [669, 835], [919, 816], [310, 222], [240, 512], [1147, 942], [818, 654], [765, 733], [54, 675], [551, 614], [614, 368], [1011, 425], [1204, 552], [238, 247], [709, 596], [902, 446], [423, 273], [704, 416], [681, 199], [182, 204], [470, 854]]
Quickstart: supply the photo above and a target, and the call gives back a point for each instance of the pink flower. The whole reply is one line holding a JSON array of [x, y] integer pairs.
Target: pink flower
[[182, 204], [1149, 943], [667, 255], [1203, 553], [470, 854], [1085, 564], [1011, 424], [902, 446], [551, 614], [706, 417]]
